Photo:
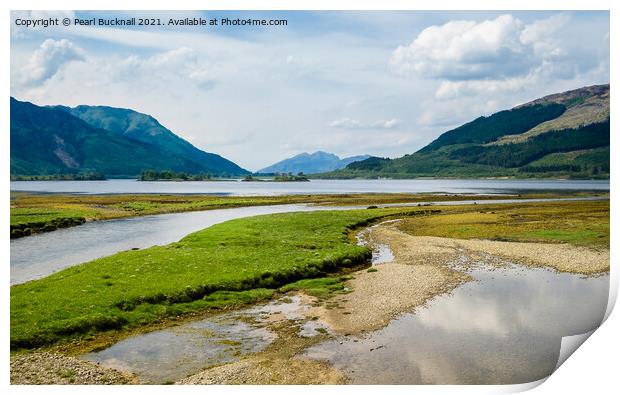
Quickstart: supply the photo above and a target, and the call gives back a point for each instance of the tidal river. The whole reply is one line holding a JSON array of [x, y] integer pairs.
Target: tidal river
[[479, 333], [42, 254]]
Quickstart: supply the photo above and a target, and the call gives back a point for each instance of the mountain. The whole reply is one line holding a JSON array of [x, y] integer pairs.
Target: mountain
[[145, 128], [560, 135], [317, 162], [116, 142]]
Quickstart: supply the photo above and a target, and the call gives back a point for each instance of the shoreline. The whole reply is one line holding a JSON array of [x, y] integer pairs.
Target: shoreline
[[69, 210], [418, 273], [423, 268], [48, 368]]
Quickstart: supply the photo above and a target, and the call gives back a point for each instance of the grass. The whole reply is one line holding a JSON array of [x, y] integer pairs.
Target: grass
[[68, 374], [236, 262], [33, 213], [322, 288], [27, 221], [581, 223]]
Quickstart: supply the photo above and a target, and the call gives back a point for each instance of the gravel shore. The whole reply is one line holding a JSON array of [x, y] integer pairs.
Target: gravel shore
[[52, 368], [561, 257], [417, 274], [263, 371], [424, 267], [279, 363]]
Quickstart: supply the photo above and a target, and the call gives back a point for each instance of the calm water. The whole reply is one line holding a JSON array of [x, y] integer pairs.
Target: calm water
[[172, 354], [504, 328], [45, 253], [312, 187]]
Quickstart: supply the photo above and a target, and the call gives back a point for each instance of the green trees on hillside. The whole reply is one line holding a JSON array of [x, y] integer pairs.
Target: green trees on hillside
[[519, 154], [483, 130], [372, 163]]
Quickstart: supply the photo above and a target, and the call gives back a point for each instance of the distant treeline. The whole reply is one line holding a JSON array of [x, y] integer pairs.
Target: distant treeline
[[483, 130], [550, 168], [372, 163], [594, 170], [63, 177], [279, 177], [154, 175], [519, 154], [290, 177]]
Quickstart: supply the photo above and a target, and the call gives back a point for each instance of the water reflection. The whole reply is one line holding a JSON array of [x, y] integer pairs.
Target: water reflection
[[504, 328], [172, 354]]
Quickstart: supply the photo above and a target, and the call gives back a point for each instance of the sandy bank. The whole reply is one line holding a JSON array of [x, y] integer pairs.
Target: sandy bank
[[269, 371], [561, 257], [425, 267], [417, 274], [380, 296]]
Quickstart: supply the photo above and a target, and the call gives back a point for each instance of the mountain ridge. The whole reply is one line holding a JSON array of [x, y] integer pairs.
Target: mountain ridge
[[60, 139], [565, 134], [310, 163]]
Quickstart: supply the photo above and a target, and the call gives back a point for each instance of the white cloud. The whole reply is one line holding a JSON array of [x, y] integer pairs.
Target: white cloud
[[454, 89], [48, 59], [464, 50], [171, 68], [348, 123], [183, 61], [493, 56], [255, 98]]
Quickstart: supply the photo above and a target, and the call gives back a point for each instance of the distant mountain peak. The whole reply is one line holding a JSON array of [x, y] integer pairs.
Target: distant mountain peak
[[316, 162]]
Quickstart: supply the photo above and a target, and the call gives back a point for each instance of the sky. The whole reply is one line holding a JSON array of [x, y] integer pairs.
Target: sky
[[378, 83]]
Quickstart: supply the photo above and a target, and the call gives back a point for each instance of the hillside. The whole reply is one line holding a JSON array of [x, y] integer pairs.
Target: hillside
[[144, 128], [115, 142], [317, 162], [560, 135]]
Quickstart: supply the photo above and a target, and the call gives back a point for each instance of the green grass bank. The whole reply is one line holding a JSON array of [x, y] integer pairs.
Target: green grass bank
[[232, 263]]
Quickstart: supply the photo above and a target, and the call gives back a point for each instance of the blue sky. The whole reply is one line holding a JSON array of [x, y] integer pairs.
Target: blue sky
[[379, 83]]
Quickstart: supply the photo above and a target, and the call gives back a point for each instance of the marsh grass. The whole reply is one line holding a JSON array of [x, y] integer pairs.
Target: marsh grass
[[321, 288], [236, 262], [581, 223], [35, 213]]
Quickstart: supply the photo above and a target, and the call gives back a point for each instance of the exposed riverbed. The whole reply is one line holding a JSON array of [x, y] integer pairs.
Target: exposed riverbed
[[505, 326]]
